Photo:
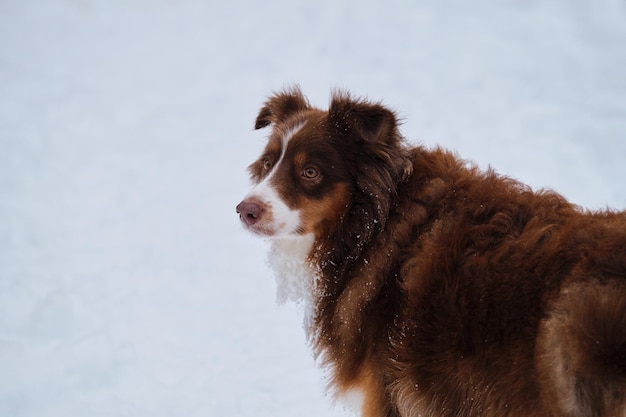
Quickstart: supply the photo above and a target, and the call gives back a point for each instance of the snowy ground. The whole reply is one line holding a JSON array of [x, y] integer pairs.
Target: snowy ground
[[127, 287]]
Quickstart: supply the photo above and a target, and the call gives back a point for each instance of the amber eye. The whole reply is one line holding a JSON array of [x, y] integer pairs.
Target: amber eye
[[310, 173], [267, 163]]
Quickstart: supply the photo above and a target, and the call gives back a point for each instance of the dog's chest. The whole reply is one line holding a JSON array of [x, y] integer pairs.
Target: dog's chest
[[295, 274]]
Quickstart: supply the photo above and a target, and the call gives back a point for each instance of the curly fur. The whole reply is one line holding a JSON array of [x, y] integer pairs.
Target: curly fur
[[444, 290]]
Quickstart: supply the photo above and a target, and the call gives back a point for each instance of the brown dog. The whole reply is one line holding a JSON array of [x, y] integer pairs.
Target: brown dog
[[433, 288]]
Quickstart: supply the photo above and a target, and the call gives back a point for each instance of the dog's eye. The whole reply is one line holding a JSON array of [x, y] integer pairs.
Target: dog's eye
[[310, 173], [267, 163]]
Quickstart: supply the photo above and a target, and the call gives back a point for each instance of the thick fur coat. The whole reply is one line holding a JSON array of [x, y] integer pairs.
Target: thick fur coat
[[436, 288]]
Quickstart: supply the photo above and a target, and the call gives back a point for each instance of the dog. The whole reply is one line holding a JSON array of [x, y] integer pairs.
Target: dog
[[432, 287]]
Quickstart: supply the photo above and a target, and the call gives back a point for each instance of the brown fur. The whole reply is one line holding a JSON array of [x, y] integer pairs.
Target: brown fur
[[449, 291]]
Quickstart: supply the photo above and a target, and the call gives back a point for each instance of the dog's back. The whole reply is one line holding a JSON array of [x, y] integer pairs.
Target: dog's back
[[517, 300], [581, 349]]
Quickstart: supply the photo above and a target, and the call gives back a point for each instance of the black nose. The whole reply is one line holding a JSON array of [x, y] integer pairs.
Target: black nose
[[249, 212]]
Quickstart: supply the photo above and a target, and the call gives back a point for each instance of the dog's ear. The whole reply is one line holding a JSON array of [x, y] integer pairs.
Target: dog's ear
[[371, 122], [375, 127], [280, 106]]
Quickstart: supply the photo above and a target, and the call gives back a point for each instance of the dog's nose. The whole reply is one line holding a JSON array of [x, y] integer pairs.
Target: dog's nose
[[249, 212]]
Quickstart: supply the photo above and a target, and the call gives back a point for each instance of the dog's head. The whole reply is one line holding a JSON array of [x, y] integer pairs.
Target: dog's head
[[317, 165]]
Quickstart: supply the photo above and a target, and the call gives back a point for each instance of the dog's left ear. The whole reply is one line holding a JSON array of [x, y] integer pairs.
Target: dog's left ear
[[375, 126], [371, 122], [280, 106]]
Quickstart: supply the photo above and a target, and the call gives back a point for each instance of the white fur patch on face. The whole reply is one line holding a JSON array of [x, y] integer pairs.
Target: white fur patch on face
[[290, 133], [283, 220]]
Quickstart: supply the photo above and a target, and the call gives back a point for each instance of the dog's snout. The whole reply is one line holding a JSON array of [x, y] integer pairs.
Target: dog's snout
[[249, 212]]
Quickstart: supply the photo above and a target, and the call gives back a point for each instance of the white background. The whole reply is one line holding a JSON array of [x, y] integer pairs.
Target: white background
[[128, 287]]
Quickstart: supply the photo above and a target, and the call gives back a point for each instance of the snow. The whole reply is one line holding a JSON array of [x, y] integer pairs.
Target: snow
[[128, 286]]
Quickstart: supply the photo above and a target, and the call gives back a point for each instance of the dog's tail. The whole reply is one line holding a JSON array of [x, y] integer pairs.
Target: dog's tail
[[582, 350]]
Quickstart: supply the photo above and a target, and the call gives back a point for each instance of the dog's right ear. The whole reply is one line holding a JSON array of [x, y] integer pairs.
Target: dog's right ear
[[280, 106]]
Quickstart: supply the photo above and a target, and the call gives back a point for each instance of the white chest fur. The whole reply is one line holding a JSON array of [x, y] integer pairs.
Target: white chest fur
[[295, 275], [296, 281]]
